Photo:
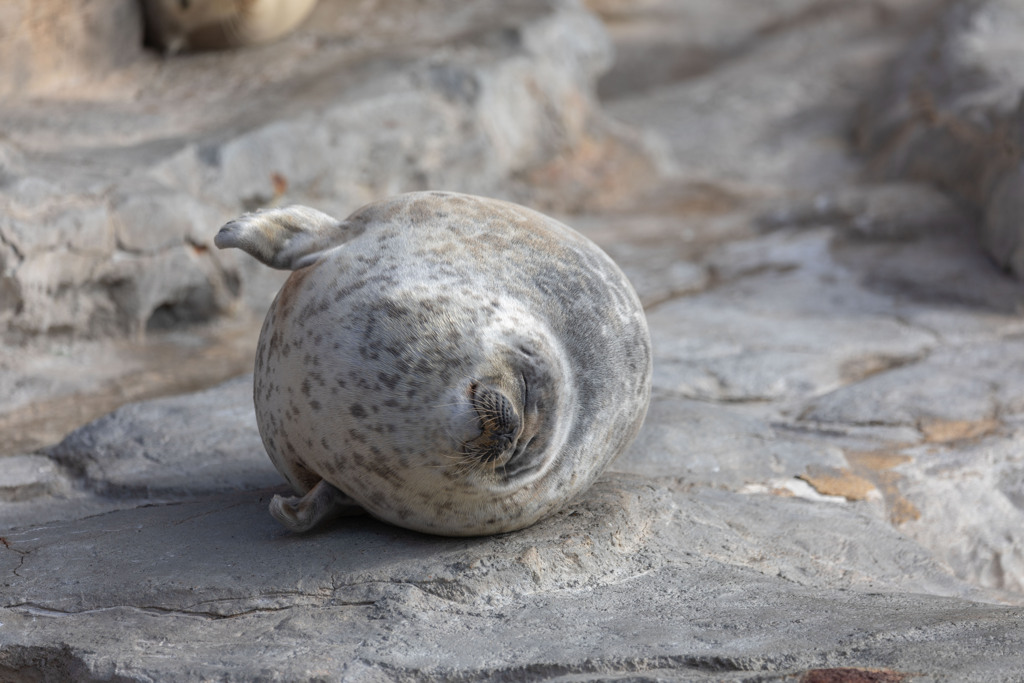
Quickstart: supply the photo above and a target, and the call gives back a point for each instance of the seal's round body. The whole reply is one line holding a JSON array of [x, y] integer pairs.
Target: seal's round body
[[176, 25], [452, 364]]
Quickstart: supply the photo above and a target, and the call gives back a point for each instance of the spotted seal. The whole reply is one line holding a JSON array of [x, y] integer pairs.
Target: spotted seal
[[449, 363], [177, 25]]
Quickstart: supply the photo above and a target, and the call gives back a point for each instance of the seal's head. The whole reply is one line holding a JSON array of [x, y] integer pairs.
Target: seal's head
[[178, 25], [451, 364]]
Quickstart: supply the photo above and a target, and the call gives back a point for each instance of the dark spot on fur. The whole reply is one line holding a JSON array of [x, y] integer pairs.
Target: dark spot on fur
[[357, 411], [394, 310]]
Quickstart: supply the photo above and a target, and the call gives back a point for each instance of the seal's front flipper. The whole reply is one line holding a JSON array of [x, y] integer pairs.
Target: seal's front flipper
[[322, 504], [288, 238]]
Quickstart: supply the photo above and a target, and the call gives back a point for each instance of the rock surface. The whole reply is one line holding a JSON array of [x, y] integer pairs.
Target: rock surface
[[950, 113], [829, 484], [112, 184]]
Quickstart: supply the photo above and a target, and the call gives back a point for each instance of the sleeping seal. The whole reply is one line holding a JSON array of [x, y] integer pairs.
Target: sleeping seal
[[449, 363]]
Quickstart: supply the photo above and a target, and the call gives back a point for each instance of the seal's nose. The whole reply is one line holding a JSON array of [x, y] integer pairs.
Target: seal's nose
[[500, 424]]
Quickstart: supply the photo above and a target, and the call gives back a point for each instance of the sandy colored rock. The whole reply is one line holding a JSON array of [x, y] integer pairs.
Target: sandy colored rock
[[51, 45]]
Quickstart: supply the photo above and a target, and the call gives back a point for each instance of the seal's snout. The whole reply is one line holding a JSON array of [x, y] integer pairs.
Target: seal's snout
[[500, 425]]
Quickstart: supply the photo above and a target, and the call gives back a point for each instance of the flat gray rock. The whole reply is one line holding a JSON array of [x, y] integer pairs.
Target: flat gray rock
[[175, 447], [674, 580], [714, 445], [980, 537], [793, 324], [982, 377]]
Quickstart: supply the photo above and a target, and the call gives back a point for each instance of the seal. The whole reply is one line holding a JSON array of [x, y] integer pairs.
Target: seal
[[177, 25], [448, 363]]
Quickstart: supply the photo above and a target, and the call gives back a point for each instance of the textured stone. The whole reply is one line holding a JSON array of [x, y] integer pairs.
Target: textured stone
[[708, 634], [659, 274], [46, 392], [761, 114], [626, 542], [82, 224], [1001, 233], [151, 220], [693, 570], [981, 473], [982, 377], [55, 286], [714, 445], [177, 285], [184, 446], [172, 148], [949, 113], [48, 45], [30, 476], [661, 41], [788, 327], [889, 211]]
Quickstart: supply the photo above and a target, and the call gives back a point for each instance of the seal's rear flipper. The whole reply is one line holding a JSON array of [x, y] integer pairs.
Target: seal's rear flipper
[[322, 504], [288, 238]]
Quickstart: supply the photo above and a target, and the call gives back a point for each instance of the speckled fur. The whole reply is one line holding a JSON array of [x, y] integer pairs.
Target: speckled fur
[[376, 362]]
